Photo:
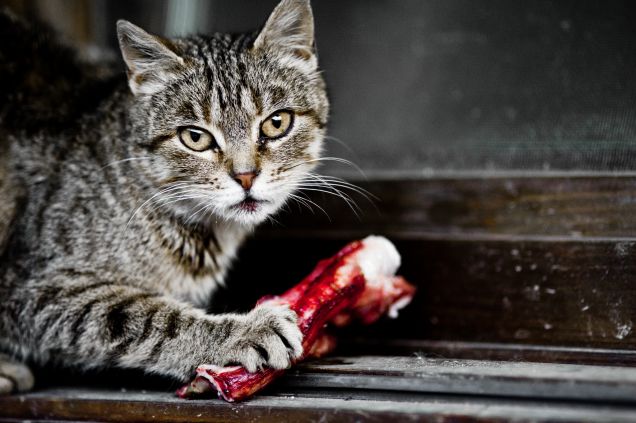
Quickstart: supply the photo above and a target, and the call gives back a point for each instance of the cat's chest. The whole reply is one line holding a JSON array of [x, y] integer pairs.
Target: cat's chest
[[192, 268]]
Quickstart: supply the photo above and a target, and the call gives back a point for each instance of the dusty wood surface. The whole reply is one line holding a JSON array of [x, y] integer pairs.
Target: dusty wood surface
[[358, 345], [354, 388], [471, 377], [77, 404]]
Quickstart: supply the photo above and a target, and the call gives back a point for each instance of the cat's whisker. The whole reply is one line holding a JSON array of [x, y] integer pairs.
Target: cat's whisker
[[332, 186], [352, 205], [212, 209], [338, 160], [301, 202], [202, 208], [308, 203], [183, 192], [367, 196], [333, 180], [323, 186], [173, 198], [327, 159], [160, 192], [273, 220], [171, 188], [186, 187], [191, 217], [328, 190], [180, 199], [337, 182], [190, 194], [287, 208], [130, 159], [342, 143]]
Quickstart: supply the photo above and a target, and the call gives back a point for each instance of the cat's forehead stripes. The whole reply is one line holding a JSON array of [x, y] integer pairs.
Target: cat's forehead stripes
[[235, 79], [186, 111], [225, 93]]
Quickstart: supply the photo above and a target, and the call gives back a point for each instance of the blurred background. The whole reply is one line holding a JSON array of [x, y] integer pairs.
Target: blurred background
[[435, 87]]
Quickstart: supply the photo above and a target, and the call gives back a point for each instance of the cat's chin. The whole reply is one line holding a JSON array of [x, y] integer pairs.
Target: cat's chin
[[250, 212]]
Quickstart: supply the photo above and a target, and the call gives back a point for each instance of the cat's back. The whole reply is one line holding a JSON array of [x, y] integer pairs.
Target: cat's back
[[47, 96]]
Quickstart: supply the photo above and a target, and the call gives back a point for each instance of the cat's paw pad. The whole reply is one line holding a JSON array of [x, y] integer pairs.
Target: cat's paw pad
[[14, 377], [268, 336]]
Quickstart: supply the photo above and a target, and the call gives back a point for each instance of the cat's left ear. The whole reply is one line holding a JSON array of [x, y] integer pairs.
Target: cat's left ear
[[290, 28], [152, 62]]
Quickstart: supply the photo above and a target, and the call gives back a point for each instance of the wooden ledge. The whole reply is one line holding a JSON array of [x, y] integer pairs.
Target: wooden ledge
[[372, 388], [470, 377], [325, 406]]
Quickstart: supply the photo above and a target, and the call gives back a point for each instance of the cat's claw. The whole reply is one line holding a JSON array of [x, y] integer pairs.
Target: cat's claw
[[14, 376], [268, 336]]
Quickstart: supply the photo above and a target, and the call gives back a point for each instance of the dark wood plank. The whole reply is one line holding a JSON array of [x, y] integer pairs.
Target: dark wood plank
[[559, 206], [539, 292], [298, 406], [576, 293], [359, 345], [470, 377]]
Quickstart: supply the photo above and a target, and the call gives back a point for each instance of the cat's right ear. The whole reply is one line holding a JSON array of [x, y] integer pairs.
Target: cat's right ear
[[152, 61], [290, 28]]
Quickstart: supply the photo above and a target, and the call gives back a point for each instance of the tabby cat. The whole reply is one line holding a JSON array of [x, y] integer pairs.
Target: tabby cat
[[123, 205]]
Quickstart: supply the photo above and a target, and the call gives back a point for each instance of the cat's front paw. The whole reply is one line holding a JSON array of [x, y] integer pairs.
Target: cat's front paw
[[268, 336]]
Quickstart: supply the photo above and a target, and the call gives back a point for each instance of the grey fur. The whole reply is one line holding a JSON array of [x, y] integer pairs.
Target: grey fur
[[113, 235]]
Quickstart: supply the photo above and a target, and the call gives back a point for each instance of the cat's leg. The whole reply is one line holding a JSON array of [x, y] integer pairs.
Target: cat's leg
[[93, 324], [14, 376]]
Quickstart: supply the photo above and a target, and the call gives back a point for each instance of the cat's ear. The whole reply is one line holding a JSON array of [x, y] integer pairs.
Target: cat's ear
[[152, 61], [290, 28]]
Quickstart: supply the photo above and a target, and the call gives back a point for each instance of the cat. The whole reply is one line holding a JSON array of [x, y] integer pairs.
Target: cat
[[124, 200]]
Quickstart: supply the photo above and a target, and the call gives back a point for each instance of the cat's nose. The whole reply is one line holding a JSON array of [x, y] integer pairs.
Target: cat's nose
[[245, 179]]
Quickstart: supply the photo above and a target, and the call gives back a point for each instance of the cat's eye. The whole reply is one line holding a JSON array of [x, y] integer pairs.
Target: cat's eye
[[277, 125], [196, 139]]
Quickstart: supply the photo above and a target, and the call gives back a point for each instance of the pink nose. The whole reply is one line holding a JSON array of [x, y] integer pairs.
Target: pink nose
[[245, 179]]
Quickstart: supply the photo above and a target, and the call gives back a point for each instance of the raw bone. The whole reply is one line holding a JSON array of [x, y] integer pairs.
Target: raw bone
[[358, 283]]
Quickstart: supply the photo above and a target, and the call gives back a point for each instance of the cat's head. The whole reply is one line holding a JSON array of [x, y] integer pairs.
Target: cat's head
[[229, 124]]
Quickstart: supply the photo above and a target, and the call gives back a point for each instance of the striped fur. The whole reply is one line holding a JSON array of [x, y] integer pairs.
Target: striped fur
[[113, 234]]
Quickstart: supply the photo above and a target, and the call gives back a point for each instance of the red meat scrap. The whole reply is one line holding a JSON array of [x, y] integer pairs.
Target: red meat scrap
[[356, 284]]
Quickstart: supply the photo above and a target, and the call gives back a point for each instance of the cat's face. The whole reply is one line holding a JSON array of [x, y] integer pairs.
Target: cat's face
[[233, 123]]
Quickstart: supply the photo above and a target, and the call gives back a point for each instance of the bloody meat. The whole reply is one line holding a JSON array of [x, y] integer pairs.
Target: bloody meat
[[356, 284]]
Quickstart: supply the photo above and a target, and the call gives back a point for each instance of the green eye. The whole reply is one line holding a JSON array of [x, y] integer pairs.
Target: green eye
[[196, 139], [277, 125]]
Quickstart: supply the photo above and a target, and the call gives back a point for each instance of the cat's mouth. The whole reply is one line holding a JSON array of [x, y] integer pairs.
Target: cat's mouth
[[250, 204]]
